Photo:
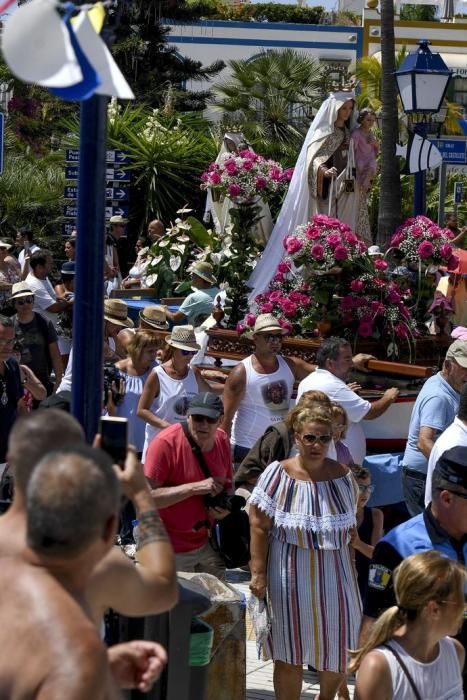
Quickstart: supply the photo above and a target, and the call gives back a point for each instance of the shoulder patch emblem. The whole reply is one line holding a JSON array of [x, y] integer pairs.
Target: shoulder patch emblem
[[379, 576]]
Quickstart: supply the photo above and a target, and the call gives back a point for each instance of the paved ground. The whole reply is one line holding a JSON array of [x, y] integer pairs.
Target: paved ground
[[259, 673]]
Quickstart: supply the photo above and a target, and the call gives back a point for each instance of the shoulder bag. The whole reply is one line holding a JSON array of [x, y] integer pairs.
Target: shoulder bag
[[417, 695], [230, 537]]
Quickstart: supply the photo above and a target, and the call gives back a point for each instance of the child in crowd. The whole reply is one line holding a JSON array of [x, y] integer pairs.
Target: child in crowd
[[340, 423], [369, 528]]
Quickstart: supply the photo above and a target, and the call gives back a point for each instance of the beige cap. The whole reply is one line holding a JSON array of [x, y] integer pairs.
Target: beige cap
[[458, 351], [267, 322], [183, 338], [116, 311], [154, 316]]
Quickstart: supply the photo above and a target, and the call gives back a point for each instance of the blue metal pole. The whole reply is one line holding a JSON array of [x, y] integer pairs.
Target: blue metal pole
[[88, 313], [419, 192]]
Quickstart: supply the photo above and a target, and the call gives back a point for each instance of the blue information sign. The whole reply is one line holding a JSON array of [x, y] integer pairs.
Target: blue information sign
[[116, 211], [72, 155], [70, 211], [70, 192], [119, 194], [68, 228], [112, 175], [452, 150], [117, 157], [458, 192], [71, 172]]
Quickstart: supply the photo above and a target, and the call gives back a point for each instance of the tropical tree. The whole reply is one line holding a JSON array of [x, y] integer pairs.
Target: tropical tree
[[271, 98]]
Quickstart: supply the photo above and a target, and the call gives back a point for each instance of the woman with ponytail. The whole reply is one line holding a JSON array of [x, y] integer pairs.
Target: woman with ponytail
[[408, 655]]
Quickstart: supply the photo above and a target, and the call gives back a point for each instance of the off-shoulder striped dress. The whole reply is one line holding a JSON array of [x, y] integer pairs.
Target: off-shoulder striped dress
[[313, 595]]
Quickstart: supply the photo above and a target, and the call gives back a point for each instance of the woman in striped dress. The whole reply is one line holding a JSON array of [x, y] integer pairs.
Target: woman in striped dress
[[302, 512]]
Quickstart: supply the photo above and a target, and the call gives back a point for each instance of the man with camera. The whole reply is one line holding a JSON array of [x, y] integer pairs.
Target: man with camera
[[188, 501]]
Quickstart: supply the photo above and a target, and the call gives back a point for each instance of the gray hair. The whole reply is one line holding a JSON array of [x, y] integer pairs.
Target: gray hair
[[32, 436], [71, 496], [330, 349]]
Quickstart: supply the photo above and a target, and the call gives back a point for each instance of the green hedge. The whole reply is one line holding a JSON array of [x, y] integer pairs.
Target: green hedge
[[260, 12]]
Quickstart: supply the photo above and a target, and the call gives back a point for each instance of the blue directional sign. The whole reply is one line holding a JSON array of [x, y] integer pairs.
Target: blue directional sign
[[2, 140], [119, 194], [70, 192], [458, 192], [71, 172], [116, 211], [72, 155], [68, 228], [70, 211], [112, 175], [452, 150], [117, 157]]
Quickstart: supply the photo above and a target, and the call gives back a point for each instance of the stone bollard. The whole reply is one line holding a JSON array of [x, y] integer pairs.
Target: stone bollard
[[227, 669]]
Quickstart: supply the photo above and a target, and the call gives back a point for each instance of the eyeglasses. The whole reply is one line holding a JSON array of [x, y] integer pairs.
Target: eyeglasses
[[188, 352], [457, 493], [310, 439], [24, 300], [272, 337], [5, 343], [368, 488], [208, 419]]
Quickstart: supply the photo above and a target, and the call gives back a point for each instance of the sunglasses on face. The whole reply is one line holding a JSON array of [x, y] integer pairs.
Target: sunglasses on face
[[25, 300], [201, 419], [273, 337], [310, 439], [188, 352], [368, 488]]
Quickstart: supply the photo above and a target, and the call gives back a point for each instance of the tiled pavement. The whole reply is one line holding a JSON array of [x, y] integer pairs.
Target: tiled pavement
[[259, 673]]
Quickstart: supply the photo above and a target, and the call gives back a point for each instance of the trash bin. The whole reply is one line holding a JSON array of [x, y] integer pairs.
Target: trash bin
[[201, 637]]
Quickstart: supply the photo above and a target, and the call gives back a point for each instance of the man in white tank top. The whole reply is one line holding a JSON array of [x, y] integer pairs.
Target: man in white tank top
[[258, 390]]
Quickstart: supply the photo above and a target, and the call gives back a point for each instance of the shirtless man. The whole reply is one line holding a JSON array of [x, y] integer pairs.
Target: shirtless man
[[71, 513], [147, 589]]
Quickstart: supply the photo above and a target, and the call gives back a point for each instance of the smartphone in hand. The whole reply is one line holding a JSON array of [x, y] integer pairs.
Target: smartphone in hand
[[114, 438]]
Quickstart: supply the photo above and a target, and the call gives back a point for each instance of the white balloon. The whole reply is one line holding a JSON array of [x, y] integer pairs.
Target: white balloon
[[37, 48]]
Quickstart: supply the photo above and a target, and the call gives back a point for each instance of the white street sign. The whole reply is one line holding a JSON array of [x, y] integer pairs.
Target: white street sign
[[457, 169]]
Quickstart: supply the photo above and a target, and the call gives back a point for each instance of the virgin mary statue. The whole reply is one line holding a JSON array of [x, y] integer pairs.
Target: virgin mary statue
[[321, 183]]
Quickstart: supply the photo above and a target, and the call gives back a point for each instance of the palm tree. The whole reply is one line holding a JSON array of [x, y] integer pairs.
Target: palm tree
[[271, 97], [389, 213]]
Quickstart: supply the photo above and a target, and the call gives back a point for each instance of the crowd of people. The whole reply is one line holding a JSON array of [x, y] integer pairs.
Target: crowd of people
[[344, 593]]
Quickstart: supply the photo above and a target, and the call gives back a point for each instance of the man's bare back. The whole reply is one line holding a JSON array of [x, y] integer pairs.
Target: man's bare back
[[43, 623]]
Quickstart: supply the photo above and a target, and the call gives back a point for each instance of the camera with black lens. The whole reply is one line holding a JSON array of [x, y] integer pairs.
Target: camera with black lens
[[114, 384], [226, 501]]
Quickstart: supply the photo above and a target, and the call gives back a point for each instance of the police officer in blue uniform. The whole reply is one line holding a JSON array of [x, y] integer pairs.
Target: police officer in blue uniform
[[442, 526]]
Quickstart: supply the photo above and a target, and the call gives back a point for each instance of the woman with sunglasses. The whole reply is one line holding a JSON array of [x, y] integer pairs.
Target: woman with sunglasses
[[302, 513], [38, 338], [409, 655], [170, 386]]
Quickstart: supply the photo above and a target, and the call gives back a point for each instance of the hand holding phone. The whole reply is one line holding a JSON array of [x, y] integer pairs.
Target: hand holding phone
[[114, 438]]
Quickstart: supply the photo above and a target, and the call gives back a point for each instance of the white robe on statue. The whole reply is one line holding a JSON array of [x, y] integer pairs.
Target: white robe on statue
[[297, 207]]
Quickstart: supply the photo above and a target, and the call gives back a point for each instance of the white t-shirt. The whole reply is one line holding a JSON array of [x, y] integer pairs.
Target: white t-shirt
[[355, 407], [32, 249], [454, 436], [65, 384], [44, 296]]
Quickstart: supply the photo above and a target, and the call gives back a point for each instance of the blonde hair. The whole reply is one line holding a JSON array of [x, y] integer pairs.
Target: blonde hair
[[360, 472], [339, 412], [312, 411], [417, 580], [141, 340], [309, 399]]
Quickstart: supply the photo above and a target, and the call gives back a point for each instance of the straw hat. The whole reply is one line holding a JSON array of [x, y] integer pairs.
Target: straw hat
[[204, 270], [21, 289], [4, 245], [116, 312], [267, 322], [183, 338], [155, 317], [117, 219]]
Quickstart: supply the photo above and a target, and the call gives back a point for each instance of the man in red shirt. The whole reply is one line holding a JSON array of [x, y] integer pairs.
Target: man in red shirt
[[180, 488]]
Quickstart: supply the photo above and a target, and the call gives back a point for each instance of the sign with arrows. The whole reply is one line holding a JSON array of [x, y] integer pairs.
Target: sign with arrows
[[116, 211], [112, 175], [119, 194]]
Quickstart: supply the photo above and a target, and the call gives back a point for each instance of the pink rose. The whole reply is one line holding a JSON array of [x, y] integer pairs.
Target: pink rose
[[453, 262], [240, 327], [377, 307], [357, 286], [295, 296], [305, 300], [396, 240], [286, 325], [365, 328], [312, 232], [230, 167], [247, 165], [393, 296], [214, 178], [416, 231], [317, 251], [266, 308], [234, 190], [341, 253], [287, 174], [381, 284], [446, 250], [351, 238], [293, 245], [425, 250], [278, 277], [347, 303], [275, 296], [361, 247], [321, 220], [250, 320], [381, 264], [333, 239], [288, 307], [261, 183], [283, 267], [400, 330], [204, 177], [247, 153], [403, 310], [275, 174]]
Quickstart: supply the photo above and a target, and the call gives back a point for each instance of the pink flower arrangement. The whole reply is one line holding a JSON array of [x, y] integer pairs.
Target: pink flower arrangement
[[245, 175], [420, 239], [376, 306], [324, 243]]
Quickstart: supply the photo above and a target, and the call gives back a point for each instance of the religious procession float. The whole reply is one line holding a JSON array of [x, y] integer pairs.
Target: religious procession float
[[316, 269]]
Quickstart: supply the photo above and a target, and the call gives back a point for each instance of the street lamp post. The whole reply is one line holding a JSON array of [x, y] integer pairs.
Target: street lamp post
[[422, 81]]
